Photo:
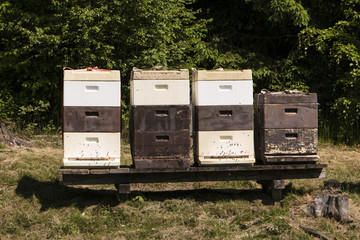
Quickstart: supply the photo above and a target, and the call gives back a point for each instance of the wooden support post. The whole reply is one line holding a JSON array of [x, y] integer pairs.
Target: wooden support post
[[123, 189], [273, 187]]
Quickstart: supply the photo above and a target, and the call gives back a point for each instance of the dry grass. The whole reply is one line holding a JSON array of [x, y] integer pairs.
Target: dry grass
[[35, 205]]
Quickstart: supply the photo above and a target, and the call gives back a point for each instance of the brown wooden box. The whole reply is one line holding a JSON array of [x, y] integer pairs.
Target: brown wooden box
[[294, 115], [223, 118], [155, 149], [284, 98], [160, 118], [286, 142], [91, 119]]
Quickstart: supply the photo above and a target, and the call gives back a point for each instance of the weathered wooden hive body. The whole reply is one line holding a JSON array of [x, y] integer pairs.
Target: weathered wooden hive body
[[160, 118], [92, 118], [286, 127], [223, 117]]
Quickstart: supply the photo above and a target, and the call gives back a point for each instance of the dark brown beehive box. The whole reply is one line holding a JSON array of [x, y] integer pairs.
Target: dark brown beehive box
[[286, 125], [155, 149], [91, 119], [161, 118], [160, 136], [223, 118]]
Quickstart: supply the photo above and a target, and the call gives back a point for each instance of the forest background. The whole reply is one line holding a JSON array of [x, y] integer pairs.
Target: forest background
[[309, 45]]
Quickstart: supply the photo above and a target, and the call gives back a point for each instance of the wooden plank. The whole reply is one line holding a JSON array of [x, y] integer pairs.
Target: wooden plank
[[196, 174], [91, 119], [281, 97], [161, 118], [288, 115], [289, 159], [140, 74], [223, 118], [100, 171]]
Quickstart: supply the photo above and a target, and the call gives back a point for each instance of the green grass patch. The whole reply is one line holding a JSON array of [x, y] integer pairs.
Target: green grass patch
[[35, 205]]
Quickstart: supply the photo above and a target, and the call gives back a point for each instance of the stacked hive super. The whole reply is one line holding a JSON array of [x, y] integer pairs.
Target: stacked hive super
[[91, 118], [223, 117], [286, 127], [160, 118]]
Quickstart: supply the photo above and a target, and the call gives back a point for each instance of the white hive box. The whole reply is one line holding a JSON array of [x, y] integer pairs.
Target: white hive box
[[225, 147], [91, 149], [92, 93], [222, 88], [159, 87], [92, 88]]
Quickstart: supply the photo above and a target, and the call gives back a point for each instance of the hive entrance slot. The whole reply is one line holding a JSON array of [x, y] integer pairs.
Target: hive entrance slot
[[225, 87], [291, 135], [225, 113], [163, 138], [161, 87], [162, 113], [291, 110], [92, 114], [92, 88], [92, 140], [226, 138]]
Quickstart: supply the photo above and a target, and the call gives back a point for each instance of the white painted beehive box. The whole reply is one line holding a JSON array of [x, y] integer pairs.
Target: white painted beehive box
[[92, 88], [225, 147], [159, 87], [92, 149], [222, 87]]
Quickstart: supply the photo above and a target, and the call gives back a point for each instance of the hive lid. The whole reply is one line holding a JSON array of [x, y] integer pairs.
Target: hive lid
[[139, 74], [93, 75], [289, 96], [222, 75]]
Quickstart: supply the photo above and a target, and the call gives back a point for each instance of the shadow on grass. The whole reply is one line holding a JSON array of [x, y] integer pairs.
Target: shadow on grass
[[55, 195], [206, 195], [351, 187]]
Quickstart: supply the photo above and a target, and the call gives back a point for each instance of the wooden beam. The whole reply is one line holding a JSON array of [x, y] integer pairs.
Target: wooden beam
[[196, 174]]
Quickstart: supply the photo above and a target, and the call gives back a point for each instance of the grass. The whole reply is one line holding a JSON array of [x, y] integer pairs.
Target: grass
[[35, 205]]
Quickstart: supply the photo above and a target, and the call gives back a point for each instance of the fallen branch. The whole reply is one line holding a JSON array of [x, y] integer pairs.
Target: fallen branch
[[251, 223], [314, 232]]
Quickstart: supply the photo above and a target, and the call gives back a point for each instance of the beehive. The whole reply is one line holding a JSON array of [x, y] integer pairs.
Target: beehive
[[286, 126], [92, 118], [223, 117], [160, 118]]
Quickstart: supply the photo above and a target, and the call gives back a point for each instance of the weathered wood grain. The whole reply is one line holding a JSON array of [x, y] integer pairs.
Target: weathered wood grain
[[288, 159], [287, 141], [223, 118]]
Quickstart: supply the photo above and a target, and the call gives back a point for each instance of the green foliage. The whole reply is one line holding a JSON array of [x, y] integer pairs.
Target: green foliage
[[305, 45], [329, 61], [39, 38]]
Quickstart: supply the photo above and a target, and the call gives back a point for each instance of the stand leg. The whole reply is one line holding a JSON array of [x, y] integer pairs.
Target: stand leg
[[274, 188], [123, 188]]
